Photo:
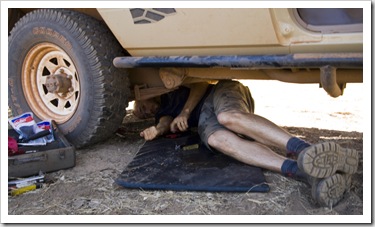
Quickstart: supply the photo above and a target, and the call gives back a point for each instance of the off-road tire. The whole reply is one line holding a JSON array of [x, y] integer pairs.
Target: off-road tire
[[101, 90]]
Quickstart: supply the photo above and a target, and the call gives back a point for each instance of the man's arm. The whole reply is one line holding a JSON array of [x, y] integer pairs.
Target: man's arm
[[197, 91], [160, 129]]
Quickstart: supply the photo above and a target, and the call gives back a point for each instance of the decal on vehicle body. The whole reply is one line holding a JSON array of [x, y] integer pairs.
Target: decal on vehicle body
[[147, 16]]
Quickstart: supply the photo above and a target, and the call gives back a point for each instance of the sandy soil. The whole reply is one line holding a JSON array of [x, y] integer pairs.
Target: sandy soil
[[304, 110]]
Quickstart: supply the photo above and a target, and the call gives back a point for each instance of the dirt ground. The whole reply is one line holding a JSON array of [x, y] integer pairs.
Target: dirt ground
[[89, 188]]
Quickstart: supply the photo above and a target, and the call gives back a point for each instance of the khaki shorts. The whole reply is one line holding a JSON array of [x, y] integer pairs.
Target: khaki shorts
[[226, 96]]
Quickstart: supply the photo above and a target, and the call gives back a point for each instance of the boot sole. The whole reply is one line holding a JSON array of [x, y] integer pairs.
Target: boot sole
[[331, 190], [325, 159]]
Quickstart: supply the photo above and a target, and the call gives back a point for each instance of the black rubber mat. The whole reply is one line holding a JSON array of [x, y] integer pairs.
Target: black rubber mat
[[184, 164]]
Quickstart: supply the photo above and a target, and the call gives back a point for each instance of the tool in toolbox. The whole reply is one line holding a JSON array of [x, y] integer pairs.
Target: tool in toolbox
[[29, 132], [35, 136], [14, 149]]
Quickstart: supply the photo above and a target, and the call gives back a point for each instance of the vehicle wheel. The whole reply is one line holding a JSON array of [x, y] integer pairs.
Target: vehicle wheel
[[60, 67]]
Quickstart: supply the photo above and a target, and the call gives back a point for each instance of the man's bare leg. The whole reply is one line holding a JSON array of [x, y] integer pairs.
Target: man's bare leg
[[256, 127], [249, 152], [314, 160]]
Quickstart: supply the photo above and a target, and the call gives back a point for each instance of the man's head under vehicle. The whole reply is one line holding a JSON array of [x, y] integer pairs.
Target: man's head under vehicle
[[144, 109]]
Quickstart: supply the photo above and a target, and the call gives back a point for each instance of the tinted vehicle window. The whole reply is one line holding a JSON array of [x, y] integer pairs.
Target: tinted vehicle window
[[331, 16], [332, 19]]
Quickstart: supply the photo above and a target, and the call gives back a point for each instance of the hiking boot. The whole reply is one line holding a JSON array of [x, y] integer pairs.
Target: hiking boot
[[325, 159], [329, 191]]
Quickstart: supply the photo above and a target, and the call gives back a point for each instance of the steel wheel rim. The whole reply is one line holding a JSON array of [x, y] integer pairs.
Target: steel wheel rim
[[43, 60]]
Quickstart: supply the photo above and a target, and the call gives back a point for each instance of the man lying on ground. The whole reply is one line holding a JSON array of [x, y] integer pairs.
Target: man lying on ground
[[224, 115]]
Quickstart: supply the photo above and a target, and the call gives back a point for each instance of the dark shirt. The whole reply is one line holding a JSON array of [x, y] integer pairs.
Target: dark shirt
[[173, 102]]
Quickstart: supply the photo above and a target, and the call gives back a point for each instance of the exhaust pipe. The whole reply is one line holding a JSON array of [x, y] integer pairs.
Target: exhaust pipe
[[329, 82]]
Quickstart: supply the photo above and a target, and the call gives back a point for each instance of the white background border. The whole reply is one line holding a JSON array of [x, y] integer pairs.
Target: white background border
[[367, 197]]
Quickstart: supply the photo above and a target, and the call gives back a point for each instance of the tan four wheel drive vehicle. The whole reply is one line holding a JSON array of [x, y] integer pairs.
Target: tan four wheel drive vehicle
[[81, 67]]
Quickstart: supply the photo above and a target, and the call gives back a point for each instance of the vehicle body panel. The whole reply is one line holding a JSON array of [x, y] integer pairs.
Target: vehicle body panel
[[244, 31]]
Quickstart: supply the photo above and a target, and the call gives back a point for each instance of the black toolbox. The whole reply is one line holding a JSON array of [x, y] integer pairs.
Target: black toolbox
[[53, 156]]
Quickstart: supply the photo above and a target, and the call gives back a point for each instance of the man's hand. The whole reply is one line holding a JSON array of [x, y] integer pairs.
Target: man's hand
[[149, 133], [160, 129], [180, 123], [197, 91]]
